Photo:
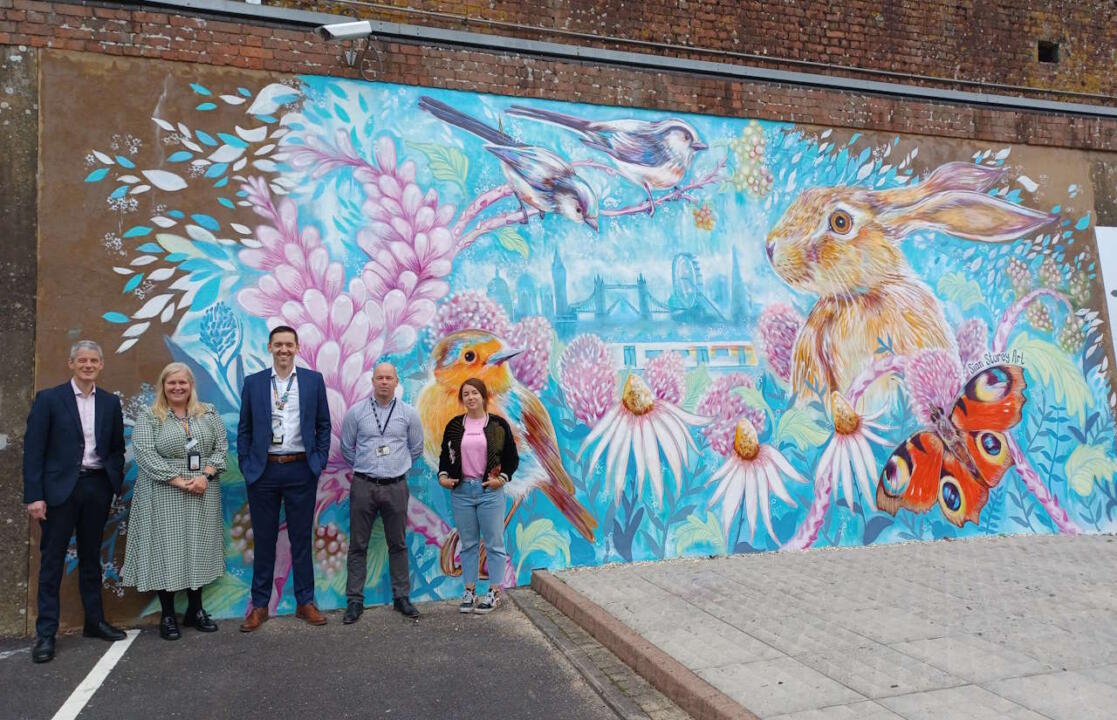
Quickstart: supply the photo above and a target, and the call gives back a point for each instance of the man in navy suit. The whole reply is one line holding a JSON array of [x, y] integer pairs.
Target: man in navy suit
[[283, 443], [73, 464]]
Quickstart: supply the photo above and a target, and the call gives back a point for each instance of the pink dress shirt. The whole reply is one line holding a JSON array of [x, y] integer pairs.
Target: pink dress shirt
[[87, 411]]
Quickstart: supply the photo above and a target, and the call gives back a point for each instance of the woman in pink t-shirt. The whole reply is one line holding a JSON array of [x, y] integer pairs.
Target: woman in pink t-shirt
[[477, 460]]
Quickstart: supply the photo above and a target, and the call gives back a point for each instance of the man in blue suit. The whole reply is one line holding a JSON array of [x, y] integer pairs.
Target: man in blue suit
[[283, 443], [73, 464]]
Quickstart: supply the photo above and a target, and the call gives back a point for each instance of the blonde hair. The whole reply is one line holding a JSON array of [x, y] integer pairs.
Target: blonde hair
[[160, 408]]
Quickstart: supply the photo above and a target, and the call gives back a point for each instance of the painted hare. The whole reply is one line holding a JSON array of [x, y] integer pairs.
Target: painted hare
[[842, 244]]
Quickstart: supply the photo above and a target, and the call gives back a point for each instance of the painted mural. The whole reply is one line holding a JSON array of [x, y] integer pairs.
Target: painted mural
[[714, 335]]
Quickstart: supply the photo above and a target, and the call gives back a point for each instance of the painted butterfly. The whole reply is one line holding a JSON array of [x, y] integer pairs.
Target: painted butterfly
[[963, 456]]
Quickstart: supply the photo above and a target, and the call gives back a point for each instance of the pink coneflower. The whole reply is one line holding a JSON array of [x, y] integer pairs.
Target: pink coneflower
[[533, 336], [751, 472], [666, 375], [973, 340], [934, 380], [643, 426], [848, 455], [587, 378], [779, 325], [726, 407], [469, 310]]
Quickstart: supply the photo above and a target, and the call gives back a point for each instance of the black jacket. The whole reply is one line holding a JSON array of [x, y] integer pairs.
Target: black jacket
[[501, 456]]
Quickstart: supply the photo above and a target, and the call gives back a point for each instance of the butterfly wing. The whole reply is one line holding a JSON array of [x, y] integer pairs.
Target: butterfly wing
[[921, 473], [989, 450], [993, 399]]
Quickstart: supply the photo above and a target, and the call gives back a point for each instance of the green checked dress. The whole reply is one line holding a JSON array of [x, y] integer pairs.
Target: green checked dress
[[176, 540]]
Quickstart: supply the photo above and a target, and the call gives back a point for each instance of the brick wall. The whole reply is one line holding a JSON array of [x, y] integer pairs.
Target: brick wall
[[120, 30]]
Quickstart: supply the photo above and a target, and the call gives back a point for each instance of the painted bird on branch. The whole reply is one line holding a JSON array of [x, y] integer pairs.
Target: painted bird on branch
[[480, 354], [539, 178], [654, 155]]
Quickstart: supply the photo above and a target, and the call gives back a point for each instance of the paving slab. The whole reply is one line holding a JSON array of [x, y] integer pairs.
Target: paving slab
[[1019, 627]]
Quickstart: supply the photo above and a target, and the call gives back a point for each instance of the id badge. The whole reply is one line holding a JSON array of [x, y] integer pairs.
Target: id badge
[[277, 431], [194, 461], [382, 451]]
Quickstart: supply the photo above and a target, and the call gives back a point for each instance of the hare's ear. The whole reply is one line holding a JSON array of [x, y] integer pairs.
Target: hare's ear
[[969, 215], [951, 176]]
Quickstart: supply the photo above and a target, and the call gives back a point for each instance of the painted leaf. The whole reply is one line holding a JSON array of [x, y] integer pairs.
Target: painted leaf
[[126, 345], [752, 397], [802, 427], [97, 175], [541, 536], [697, 381], [696, 532], [152, 307], [271, 98], [1058, 370], [176, 244], [137, 329], [446, 163], [960, 289], [1087, 464], [137, 231], [115, 317], [510, 239], [164, 180]]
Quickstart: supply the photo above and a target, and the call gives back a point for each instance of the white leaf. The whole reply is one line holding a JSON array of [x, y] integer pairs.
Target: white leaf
[[122, 270], [164, 124], [226, 153], [200, 162], [279, 132], [184, 130], [277, 189], [1029, 184], [163, 222], [184, 283], [143, 260], [239, 165], [242, 229], [152, 307], [125, 345], [160, 274], [200, 233], [271, 98], [102, 157], [128, 179], [265, 150], [137, 329], [1002, 154], [865, 170], [264, 165], [233, 99], [165, 180], [193, 146], [251, 242], [253, 136], [168, 313], [139, 189]]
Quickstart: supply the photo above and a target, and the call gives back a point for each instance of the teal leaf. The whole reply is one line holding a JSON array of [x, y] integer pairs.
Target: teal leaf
[[232, 140], [138, 231], [195, 264], [222, 183], [201, 90], [115, 317], [177, 257], [97, 175], [206, 106], [151, 248], [133, 283], [180, 156], [177, 214], [206, 294], [340, 112], [1083, 222], [125, 162], [206, 138], [119, 192], [226, 201], [216, 170], [206, 221]]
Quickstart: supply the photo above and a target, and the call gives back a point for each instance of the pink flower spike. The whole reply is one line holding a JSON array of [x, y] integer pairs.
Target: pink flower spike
[[666, 376], [779, 325], [588, 378], [973, 340], [933, 379]]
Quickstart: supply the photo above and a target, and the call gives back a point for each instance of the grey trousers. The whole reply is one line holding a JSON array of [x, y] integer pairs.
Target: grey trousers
[[366, 500]]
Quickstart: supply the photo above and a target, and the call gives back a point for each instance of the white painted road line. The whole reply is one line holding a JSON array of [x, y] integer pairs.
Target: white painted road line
[[81, 695], [8, 653]]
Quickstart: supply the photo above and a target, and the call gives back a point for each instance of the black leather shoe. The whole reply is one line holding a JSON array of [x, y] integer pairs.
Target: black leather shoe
[[104, 631], [168, 628], [352, 613], [404, 606], [200, 621], [43, 650]]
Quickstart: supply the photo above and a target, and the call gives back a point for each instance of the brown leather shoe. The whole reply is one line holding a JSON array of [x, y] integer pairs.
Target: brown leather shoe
[[310, 613], [255, 619]]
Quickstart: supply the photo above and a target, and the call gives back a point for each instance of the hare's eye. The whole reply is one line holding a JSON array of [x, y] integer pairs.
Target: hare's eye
[[841, 222]]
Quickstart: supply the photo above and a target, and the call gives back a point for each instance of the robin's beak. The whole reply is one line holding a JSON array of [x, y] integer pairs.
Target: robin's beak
[[592, 222], [502, 356], [699, 145]]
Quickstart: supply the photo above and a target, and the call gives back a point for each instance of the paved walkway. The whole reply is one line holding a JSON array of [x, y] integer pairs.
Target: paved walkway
[[1021, 627]]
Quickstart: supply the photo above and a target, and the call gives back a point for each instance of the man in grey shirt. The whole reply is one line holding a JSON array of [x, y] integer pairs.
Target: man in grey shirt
[[380, 438]]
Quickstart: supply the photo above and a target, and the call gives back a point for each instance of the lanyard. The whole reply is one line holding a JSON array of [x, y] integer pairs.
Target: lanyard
[[281, 402], [185, 422], [375, 414]]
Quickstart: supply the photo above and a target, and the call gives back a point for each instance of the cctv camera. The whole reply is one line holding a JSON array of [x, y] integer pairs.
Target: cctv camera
[[345, 31]]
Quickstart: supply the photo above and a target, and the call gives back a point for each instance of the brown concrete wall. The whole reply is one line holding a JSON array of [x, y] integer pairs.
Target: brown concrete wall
[[19, 133]]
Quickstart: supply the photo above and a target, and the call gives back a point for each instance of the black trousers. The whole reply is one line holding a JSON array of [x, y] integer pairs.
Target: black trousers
[[85, 512], [366, 501]]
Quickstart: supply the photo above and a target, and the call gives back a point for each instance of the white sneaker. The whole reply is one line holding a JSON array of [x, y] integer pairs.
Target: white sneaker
[[488, 604], [467, 602]]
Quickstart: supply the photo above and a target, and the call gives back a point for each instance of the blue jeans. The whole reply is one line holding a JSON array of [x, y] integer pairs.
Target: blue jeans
[[479, 515]]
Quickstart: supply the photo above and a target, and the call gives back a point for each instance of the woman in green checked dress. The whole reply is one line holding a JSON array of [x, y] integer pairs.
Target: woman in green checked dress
[[176, 538]]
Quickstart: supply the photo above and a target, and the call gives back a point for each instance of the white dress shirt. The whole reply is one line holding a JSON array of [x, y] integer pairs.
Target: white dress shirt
[[87, 411], [292, 433]]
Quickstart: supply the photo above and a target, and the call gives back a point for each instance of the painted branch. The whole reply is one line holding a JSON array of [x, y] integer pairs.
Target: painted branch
[[807, 532], [1035, 486], [879, 368], [481, 202], [495, 223], [426, 522], [1012, 315], [672, 196]]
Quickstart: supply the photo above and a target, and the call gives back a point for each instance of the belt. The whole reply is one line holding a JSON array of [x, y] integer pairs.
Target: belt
[[286, 458], [90, 471], [378, 481]]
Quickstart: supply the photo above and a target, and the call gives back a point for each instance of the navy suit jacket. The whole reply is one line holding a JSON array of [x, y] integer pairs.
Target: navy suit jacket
[[54, 443], [254, 428]]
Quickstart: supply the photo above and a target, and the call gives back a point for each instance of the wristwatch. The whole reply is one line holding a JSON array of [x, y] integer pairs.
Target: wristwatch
[[210, 476]]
